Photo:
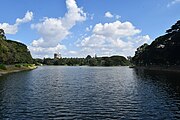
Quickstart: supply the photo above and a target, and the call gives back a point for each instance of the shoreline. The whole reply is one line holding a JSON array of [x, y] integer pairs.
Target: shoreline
[[174, 69], [13, 69]]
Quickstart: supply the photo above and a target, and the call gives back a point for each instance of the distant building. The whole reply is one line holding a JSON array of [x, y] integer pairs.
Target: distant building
[[57, 55], [95, 56]]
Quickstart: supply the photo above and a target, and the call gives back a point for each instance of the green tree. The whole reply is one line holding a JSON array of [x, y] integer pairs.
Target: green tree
[[88, 57], [162, 51], [174, 28], [2, 34]]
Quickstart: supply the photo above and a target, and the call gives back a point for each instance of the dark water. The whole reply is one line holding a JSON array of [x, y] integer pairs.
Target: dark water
[[89, 93]]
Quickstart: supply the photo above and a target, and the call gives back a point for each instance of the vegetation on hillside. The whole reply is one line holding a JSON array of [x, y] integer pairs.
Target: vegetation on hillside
[[12, 52], [2, 67], [164, 50]]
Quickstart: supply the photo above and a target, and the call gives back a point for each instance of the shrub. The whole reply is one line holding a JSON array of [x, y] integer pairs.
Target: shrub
[[18, 65], [3, 67], [26, 65]]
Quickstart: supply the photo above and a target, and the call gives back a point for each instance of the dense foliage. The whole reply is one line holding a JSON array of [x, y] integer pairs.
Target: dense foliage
[[2, 67], [97, 61], [12, 52], [165, 50]]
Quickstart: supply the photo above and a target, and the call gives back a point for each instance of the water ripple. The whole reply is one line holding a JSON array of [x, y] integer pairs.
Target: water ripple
[[53, 92]]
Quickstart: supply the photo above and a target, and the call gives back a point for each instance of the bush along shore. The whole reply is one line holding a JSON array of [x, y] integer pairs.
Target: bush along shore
[[5, 69]]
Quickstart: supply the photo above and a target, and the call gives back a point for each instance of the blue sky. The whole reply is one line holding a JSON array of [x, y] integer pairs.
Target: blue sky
[[76, 28]]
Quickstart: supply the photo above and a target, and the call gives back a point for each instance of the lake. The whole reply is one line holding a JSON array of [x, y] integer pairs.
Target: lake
[[61, 92]]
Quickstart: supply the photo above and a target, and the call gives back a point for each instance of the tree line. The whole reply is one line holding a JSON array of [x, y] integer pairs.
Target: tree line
[[89, 61]]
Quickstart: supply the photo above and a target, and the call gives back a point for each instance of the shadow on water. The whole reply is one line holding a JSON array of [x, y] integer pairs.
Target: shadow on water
[[166, 89], [169, 80]]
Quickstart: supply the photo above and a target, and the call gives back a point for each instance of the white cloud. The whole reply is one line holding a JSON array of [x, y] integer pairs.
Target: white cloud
[[73, 52], [93, 41], [142, 39], [92, 17], [40, 52], [117, 29], [88, 28], [73, 15], [108, 15], [9, 29], [116, 38], [54, 30], [28, 17], [173, 3], [118, 16], [13, 29]]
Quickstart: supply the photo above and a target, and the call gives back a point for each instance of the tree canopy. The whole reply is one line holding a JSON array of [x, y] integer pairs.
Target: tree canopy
[[2, 34], [174, 28], [164, 50], [12, 52]]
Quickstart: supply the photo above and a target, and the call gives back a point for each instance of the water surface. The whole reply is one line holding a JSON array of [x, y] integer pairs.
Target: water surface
[[55, 92]]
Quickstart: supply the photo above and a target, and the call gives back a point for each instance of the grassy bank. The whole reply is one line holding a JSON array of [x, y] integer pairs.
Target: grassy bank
[[5, 69]]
